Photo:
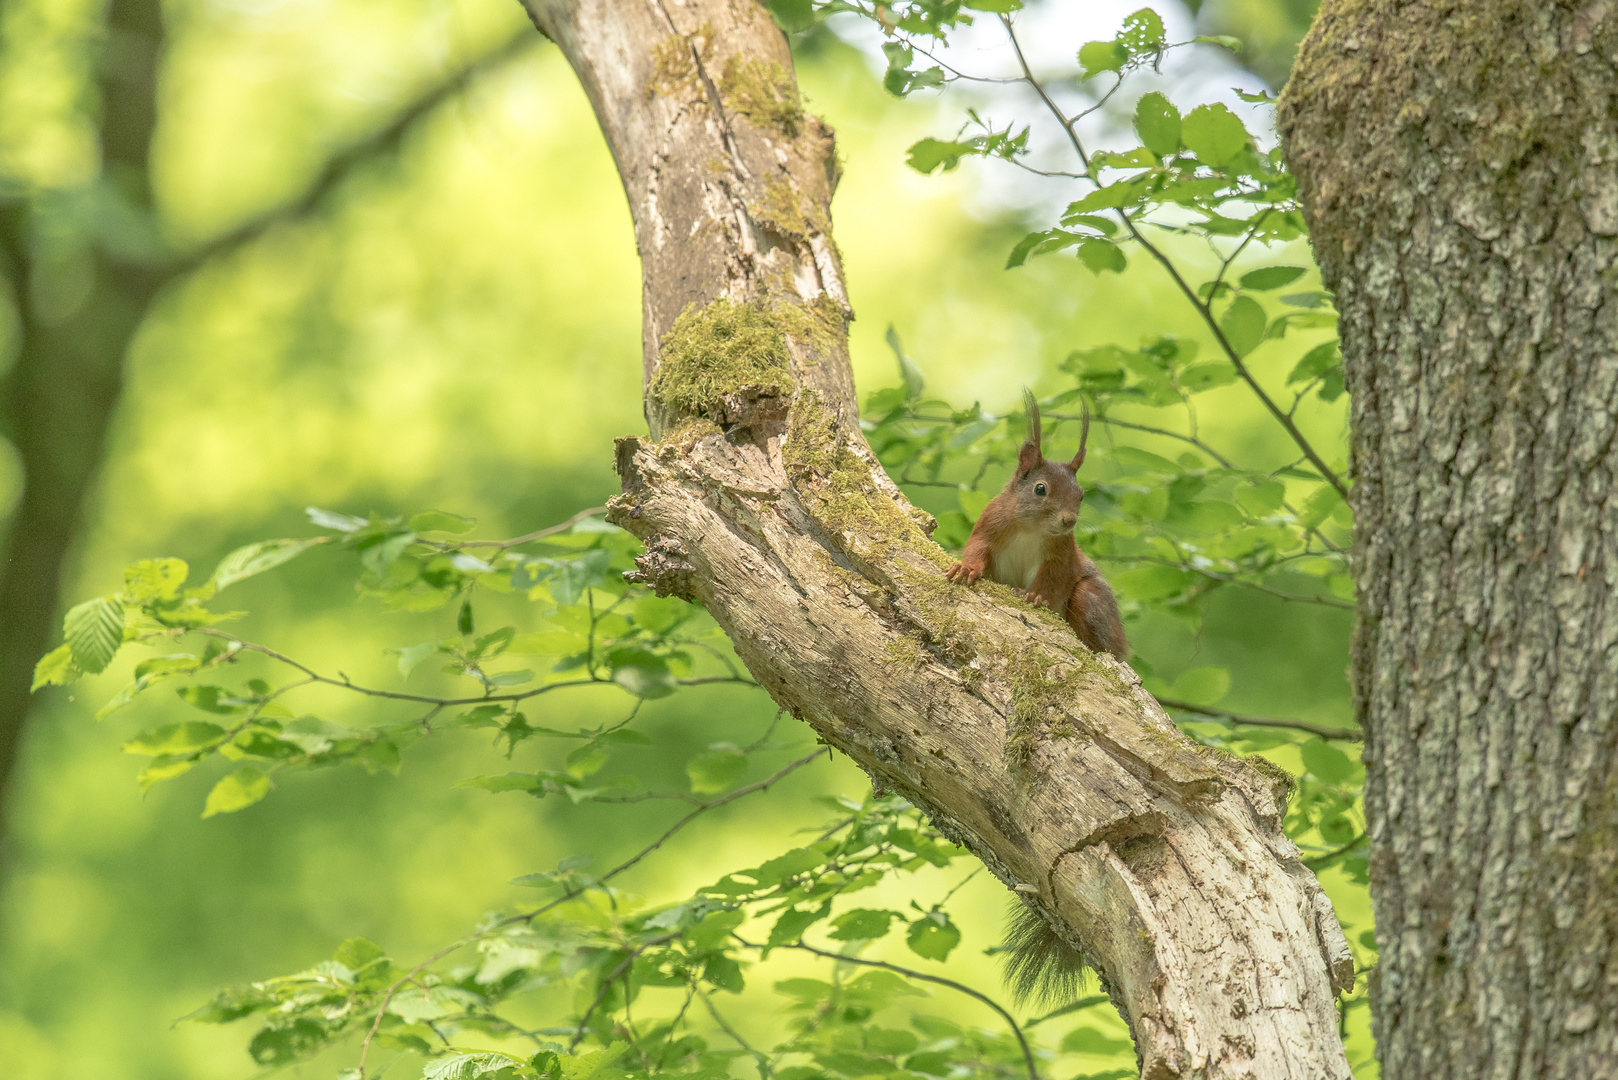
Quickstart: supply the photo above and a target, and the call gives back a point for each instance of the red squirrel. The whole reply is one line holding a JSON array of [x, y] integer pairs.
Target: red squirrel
[[1024, 538]]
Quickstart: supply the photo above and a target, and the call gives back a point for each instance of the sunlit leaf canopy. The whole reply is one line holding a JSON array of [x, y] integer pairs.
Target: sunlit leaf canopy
[[458, 328]]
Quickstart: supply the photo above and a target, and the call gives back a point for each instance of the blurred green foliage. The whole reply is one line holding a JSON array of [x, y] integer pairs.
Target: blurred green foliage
[[461, 329]]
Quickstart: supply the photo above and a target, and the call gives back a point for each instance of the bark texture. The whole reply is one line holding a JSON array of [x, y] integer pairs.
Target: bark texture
[[1459, 166], [758, 496]]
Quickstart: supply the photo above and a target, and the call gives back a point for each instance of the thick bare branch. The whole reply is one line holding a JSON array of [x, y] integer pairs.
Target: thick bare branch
[[1162, 861]]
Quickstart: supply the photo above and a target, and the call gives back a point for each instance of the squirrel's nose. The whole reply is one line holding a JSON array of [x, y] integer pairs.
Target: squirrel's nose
[[1068, 520]]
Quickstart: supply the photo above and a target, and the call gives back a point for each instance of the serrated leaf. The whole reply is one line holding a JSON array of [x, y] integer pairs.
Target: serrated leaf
[[55, 668], [1201, 685], [862, 924], [1315, 363], [715, 769], [184, 738], [1096, 57], [794, 921], [644, 674], [237, 791], [441, 521], [1157, 122], [1214, 134], [933, 936], [1243, 324], [1319, 506], [1261, 497], [927, 155], [792, 16], [1099, 255], [94, 630], [328, 519], [155, 579], [251, 559], [1266, 278], [1326, 761]]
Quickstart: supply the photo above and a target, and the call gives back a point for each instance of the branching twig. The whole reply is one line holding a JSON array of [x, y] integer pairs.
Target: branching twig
[[1341, 734], [1016, 1029]]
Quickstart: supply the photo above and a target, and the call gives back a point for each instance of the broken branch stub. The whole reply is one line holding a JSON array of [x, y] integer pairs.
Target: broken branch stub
[[757, 496]]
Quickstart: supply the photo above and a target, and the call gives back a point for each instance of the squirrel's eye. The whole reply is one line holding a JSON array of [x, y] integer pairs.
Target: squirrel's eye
[[1039, 489]]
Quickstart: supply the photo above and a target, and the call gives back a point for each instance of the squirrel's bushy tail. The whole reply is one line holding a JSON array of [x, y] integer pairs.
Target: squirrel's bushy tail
[[1040, 964]]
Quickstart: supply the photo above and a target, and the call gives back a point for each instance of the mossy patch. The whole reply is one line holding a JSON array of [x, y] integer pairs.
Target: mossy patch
[[718, 350], [674, 70], [819, 326], [1283, 783], [907, 652], [764, 92], [1035, 693]]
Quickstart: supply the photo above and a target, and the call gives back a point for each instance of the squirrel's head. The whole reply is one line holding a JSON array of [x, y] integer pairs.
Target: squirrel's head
[[1047, 492]]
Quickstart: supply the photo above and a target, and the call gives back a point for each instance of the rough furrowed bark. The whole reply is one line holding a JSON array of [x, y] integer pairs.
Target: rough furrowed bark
[[1459, 165], [758, 496]]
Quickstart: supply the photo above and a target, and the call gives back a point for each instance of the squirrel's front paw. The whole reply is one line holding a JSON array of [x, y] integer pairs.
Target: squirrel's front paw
[[962, 574], [1033, 597]]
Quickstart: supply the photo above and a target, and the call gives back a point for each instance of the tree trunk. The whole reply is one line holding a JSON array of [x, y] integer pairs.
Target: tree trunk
[[59, 396], [1459, 166], [757, 496]]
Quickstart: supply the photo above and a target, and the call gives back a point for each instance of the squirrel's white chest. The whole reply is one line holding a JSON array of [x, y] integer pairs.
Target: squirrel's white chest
[[1017, 563]]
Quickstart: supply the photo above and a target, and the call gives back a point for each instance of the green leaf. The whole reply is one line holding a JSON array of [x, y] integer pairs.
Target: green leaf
[[441, 521], [1214, 134], [1151, 582], [1261, 497], [252, 559], [1098, 255], [327, 519], [1087, 1040], [644, 674], [794, 921], [1243, 324], [214, 699], [1326, 761], [724, 973], [660, 614], [94, 630], [792, 16], [55, 668], [972, 502], [184, 738], [1224, 41], [239, 790], [998, 7], [928, 155], [1098, 56], [933, 936], [1157, 122], [715, 769], [908, 371], [1201, 685], [1315, 363], [1143, 31], [862, 924], [1266, 278], [1319, 506], [155, 579]]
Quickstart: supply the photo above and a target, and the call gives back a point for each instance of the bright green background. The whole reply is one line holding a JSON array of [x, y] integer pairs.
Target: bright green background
[[461, 330]]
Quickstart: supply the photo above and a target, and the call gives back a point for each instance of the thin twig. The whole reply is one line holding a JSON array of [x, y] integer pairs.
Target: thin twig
[[571, 894], [1016, 1029], [1203, 310], [1341, 734], [764, 1069]]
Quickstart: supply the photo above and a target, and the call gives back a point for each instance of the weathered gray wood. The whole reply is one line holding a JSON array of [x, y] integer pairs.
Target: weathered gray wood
[[758, 496], [1459, 165]]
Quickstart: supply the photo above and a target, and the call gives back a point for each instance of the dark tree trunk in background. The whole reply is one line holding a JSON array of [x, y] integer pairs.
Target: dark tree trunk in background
[[59, 396], [760, 498], [1459, 166]]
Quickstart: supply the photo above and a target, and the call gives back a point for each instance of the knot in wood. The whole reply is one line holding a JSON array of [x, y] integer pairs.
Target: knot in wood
[[665, 568]]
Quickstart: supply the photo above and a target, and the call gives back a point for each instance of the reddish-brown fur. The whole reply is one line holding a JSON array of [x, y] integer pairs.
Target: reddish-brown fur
[[1027, 529]]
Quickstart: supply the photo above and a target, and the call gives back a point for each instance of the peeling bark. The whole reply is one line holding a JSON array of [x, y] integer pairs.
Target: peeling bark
[[1459, 166], [757, 495]]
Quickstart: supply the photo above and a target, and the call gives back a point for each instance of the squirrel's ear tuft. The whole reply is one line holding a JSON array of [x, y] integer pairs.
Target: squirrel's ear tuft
[[1030, 455], [1084, 437]]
